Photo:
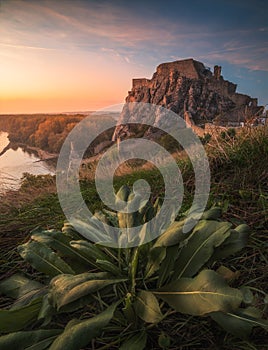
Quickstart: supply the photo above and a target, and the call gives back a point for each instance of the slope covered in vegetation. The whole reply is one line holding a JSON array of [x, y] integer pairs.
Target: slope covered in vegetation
[[238, 185]]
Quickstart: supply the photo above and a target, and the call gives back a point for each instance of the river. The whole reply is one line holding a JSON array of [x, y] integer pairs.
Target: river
[[15, 161]]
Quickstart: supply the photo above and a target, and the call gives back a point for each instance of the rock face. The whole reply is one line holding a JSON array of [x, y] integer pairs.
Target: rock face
[[187, 85]]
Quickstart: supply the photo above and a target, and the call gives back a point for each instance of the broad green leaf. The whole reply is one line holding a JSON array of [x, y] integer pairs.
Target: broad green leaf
[[43, 344], [234, 243], [206, 236], [243, 228], [146, 212], [62, 243], [55, 240], [29, 340], [78, 334], [65, 289], [167, 265], [212, 214], [172, 236], [112, 217], [101, 216], [147, 307], [126, 220], [227, 274], [43, 259], [77, 304], [28, 298], [93, 229], [46, 311], [198, 296], [23, 289], [241, 322], [136, 342], [123, 193], [108, 267], [89, 251], [69, 231], [156, 256], [18, 285], [15, 320]]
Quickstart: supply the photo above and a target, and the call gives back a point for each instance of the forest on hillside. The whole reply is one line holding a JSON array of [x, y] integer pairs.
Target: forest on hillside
[[43, 131], [46, 132]]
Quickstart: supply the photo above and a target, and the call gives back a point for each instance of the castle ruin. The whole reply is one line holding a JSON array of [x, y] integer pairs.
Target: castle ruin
[[189, 85]]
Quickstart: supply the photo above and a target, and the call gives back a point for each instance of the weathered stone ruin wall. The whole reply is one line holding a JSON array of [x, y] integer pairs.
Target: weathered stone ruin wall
[[221, 86], [189, 85], [188, 68], [136, 83], [191, 124]]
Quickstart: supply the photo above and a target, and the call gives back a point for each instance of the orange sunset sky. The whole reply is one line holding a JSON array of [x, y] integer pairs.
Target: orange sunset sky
[[59, 56]]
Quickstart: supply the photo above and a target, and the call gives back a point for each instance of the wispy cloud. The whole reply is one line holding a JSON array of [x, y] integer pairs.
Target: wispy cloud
[[117, 40], [116, 54], [96, 25], [93, 25], [251, 56], [26, 47]]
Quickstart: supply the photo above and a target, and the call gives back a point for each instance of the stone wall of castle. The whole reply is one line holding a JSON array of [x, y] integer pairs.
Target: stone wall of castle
[[189, 86], [189, 68]]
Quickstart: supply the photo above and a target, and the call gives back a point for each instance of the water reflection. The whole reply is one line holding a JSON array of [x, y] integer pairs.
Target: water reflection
[[15, 161]]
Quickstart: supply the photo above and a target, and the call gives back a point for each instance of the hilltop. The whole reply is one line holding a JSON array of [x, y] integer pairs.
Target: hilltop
[[187, 85]]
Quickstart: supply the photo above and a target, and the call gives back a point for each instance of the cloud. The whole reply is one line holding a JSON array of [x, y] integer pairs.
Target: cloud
[[251, 56], [125, 34], [115, 54], [26, 47], [87, 26]]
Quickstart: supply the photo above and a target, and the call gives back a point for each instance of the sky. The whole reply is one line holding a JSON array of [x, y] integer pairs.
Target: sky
[[63, 56]]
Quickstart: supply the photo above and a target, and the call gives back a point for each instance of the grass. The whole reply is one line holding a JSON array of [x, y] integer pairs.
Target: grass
[[239, 183]]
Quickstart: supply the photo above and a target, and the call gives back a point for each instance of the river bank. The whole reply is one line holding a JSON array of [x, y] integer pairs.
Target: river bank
[[43, 155], [16, 159]]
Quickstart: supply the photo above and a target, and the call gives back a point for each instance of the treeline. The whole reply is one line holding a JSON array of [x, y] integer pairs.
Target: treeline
[[47, 132]]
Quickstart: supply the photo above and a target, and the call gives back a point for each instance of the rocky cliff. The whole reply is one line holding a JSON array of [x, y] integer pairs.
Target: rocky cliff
[[189, 86]]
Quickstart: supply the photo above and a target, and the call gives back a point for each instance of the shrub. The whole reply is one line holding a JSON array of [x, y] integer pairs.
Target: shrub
[[127, 292], [205, 139], [231, 132]]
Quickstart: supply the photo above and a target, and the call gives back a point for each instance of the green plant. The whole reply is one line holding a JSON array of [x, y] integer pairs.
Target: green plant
[[126, 292], [205, 139], [231, 132], [170, 144]]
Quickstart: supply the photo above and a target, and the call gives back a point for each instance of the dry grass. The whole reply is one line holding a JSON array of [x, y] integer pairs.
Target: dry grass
[[239, 183]]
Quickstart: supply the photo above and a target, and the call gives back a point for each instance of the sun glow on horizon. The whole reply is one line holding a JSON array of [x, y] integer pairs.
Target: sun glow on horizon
[[56, 81], [71, 56]]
